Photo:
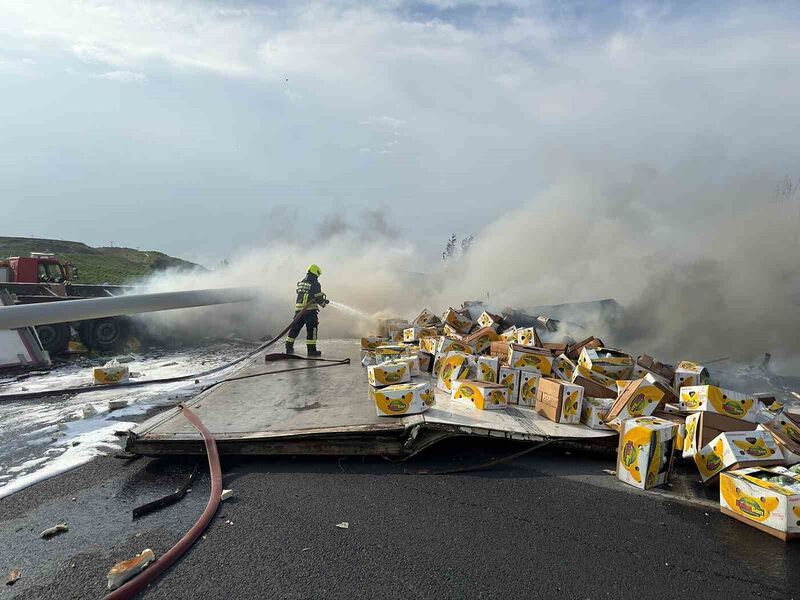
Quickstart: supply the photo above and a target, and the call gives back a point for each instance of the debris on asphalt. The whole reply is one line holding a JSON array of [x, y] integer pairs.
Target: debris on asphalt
[[179, 493], [343, 525], [110, 373], [226, 494], [54, 530], [127, 569], [88, 411], [481, 360], [13, 576], [117, 404]]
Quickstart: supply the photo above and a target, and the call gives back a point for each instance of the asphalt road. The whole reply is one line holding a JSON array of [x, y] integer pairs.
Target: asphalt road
[[550, 524]]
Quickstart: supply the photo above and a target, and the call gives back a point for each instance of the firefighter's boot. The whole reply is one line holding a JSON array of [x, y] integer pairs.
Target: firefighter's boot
[[289, 348], [313, 352]]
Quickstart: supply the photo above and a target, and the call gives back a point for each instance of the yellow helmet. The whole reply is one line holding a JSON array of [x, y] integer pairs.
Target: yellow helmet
[[314, 269]]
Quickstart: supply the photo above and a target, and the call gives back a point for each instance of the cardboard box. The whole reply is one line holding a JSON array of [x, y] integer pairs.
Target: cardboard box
[[412, 334], [594, 411], [412, 360], [556, 349], [370, 343], [403, 399], [510, 378], [640, 398], [530, 358], [487, 319], [111, 373], [426, 319], [607, 361], [481, 340], [390, 352], [702, 427], [559, 401], [527, 336], [368, 358], [451, 331], [430, 344], [501, 350], [449, 344], [734, 450], [766, 498], [785, 431], [713, 399], [528, 385], [454, 366], [425, 362], [488, 369], [387, 326], [594, 384], [646, 451], [457, 321], [647, 364], [678, 420], [480, 395], [688, 373], [509, 335], [563, 367], [388, 373], [574, 351]]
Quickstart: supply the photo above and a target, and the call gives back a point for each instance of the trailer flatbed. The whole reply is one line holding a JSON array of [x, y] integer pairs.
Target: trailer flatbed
[[328, 411]]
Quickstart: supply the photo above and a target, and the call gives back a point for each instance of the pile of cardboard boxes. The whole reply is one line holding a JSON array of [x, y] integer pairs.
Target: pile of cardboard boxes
[[742, 443]]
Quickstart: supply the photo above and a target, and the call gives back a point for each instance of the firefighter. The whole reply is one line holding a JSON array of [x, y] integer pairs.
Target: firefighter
[[310, 296]]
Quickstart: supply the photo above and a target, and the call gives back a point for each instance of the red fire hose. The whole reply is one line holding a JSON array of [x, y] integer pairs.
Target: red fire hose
[[135, 585]]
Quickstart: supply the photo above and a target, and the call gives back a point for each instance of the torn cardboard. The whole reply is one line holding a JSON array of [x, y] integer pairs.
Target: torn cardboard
[[640, 398], [594, 384], [702, 427]]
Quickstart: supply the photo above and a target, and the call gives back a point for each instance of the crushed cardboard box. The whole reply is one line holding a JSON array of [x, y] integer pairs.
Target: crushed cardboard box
[[403, 399], [640, 398], [646, 451], [785, 430], [558, 400], [480, 394], [574, 351], [702, 427], [647, 364], [388, 352], [595, 384]]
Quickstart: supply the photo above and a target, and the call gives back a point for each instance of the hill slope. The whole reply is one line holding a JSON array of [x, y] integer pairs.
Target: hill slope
[[97, 265]]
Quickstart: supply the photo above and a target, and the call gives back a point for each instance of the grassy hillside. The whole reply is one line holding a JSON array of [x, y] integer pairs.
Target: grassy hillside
[[97, 265]]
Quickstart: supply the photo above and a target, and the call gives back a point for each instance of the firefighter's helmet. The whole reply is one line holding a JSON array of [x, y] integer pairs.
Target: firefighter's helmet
[[315, 270]]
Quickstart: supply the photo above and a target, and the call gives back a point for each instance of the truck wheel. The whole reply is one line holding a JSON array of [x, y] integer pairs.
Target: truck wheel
[[54, 337], [107, 335]]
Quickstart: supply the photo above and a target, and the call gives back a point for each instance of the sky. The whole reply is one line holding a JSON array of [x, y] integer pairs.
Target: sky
[[204, 129]]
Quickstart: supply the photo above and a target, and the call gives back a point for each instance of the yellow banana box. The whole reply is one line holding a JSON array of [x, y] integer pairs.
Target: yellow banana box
[[426, 319], [457, 321], [612, 363], [367, 358], [388, 373], [735, 449], [509, 335], [412, 360], [488, 368], [640, 398], [530, 358], [785, 431], [481, 340], [688, 373], [646, 451], [558, 400], [527, 337], [454, 366], [528, 384], [563, 367], [425, 362], [430, 344], [370, 343], [390, 352], [594, 411], [713, 399], [451, 331], [412, 334], [403, 399], [487, 319], [480, 394], [450, 344], [510, 378], [702, 427], [595, 384], [110, 374], [766, 498]]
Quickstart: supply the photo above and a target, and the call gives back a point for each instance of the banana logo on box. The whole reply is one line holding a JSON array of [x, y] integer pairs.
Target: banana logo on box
[[728, 406], [792, 432], [654, 465], [529, 388], [571, 404], [755, 447], [691, 399], [393, 405], [497, 397], [757, 509], [529, 360], [391, 376], [632, 445], [508, 380], [637, 405], [467, 391], [487, 373], [428, 397], [691, 427], [710, 462]]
